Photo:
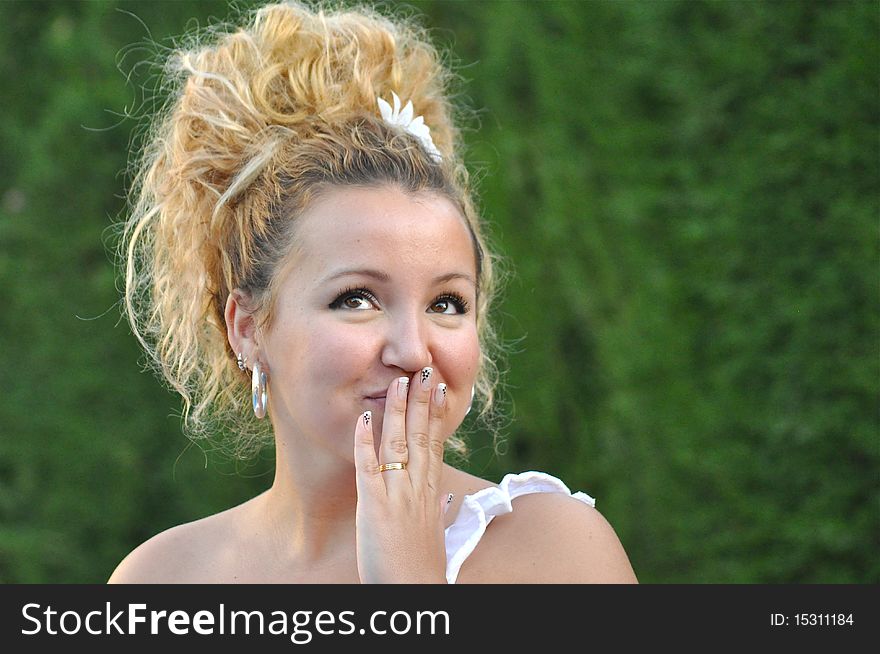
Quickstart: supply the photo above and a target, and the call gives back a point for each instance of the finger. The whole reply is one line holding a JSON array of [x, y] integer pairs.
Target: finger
[[393, 448], [367, 476], [436, 438], [417, 416]]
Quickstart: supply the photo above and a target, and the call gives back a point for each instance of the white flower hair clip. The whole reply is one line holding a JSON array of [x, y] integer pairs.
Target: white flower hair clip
[[415, 126]]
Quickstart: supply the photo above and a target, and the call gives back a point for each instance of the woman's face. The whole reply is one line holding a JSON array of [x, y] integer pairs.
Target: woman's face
[[379, 285]]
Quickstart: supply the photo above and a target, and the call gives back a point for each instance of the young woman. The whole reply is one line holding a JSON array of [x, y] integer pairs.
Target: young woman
[[305, 263]]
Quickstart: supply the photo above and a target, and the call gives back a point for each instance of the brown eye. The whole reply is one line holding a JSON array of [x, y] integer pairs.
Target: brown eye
[[356, 299], [353, 302], [449, 305]]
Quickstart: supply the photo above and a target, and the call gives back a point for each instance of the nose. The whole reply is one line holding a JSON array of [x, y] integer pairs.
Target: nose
[[406, 342]]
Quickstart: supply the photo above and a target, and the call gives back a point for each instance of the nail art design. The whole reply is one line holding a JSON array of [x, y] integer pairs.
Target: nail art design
[[426, 376], [402, 386], [440, 398], [368, 415]]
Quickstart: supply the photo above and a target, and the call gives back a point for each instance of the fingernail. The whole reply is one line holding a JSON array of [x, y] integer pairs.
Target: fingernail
[[448, 503], [402, 386], [368, 415], [426, 378], [440, 394]]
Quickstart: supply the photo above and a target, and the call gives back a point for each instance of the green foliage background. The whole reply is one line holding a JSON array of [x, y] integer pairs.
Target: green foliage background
[[687, 193]]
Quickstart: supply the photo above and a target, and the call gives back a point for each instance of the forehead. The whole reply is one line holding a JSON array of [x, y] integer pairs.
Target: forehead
[[382, 228]]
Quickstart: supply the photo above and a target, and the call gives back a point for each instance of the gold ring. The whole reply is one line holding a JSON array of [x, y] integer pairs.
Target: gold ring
[[392, 466]]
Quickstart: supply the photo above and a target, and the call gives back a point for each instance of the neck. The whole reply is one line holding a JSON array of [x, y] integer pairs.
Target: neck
[[310, 508], [308, 515]]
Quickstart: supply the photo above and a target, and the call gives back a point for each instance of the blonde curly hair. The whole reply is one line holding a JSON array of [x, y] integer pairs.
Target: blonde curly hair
[[261, 120]]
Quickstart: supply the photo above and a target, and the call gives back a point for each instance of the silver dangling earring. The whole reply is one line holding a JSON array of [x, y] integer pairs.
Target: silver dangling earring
[[259, 396], [473, 392]]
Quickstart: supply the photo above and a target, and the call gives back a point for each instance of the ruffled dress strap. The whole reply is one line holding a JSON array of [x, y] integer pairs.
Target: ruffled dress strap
[[478, 510]]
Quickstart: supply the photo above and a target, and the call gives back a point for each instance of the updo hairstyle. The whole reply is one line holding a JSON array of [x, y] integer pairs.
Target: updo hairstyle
[[260, 121]]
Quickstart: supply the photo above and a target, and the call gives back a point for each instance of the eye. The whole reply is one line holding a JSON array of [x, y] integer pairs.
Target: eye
[[355, 299], [450, 304]]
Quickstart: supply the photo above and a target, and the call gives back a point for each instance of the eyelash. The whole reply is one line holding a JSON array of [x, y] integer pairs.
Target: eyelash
[[455, 298]]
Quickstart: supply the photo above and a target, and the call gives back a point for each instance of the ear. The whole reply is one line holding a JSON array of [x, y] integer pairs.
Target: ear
[[241, 325]]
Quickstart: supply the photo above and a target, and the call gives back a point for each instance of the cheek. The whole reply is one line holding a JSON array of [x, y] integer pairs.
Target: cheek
[[332, 351], [460, 359]]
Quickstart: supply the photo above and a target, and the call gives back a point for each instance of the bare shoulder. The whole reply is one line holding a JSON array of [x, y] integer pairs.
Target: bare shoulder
[[181, 554], [549, 538]]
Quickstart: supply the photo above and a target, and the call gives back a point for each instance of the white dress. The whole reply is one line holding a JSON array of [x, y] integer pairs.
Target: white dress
[[477, 511]]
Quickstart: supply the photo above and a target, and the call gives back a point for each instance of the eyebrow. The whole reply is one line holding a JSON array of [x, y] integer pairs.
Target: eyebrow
[[384, 277]]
